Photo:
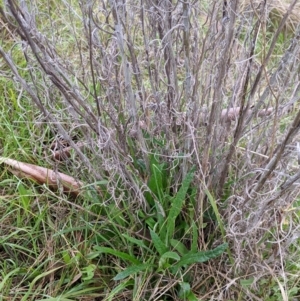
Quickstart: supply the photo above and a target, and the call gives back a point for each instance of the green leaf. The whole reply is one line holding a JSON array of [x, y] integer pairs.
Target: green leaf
[[157, 176], [177, 203], [141, 165], [156, 185], [119, 254], [6, 277], [160, 247], [185, 289], [186, 293], [59, 298], [66, 256], [194, 246], [201, 256], [32, 286], [192, 297], [216, 211], [97, 183], [88, 272], [179, 246], [171, 255], [220, 222], [24, 195], [168, 255], [132, 270], [247, 282], [138, 242], [119, 289]]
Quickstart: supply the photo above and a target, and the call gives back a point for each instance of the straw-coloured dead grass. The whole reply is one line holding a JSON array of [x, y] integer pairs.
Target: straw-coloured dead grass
[[275, 11]]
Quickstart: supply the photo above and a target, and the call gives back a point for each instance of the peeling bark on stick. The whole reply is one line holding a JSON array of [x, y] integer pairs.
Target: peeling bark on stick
[[43, 175]]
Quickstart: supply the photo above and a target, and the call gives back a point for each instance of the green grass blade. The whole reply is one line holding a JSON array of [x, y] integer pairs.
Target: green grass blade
[[220, 222], [119, 289], [35, 280], [119, 254], [216, 212], [24, 196], [157, 185], [194, 246], [6, 277], [56, 299], [137, 242], [81, 290]]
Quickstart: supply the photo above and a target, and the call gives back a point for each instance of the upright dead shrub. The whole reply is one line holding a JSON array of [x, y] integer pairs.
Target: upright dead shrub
[[200, 81]]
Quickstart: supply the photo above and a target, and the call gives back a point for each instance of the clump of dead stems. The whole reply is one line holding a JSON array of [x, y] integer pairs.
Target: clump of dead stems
[[202, 77]]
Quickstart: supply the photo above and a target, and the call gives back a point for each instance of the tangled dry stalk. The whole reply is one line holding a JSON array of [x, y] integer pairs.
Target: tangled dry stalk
[[211, 87]]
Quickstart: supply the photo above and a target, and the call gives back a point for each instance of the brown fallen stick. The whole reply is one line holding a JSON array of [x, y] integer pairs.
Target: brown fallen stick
[[43, 175], [65, 152]]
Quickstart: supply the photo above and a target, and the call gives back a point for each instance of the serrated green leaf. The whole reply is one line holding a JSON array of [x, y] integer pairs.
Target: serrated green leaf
[[160, 247], [177, 203], [132, 270], [201, 256], [119, 254]]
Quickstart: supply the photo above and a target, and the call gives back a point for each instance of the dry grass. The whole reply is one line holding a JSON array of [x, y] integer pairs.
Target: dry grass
[[275, 10], [138, 83]]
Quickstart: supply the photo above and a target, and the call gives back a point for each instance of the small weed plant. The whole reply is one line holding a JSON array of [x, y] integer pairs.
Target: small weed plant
[[180, 120]]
